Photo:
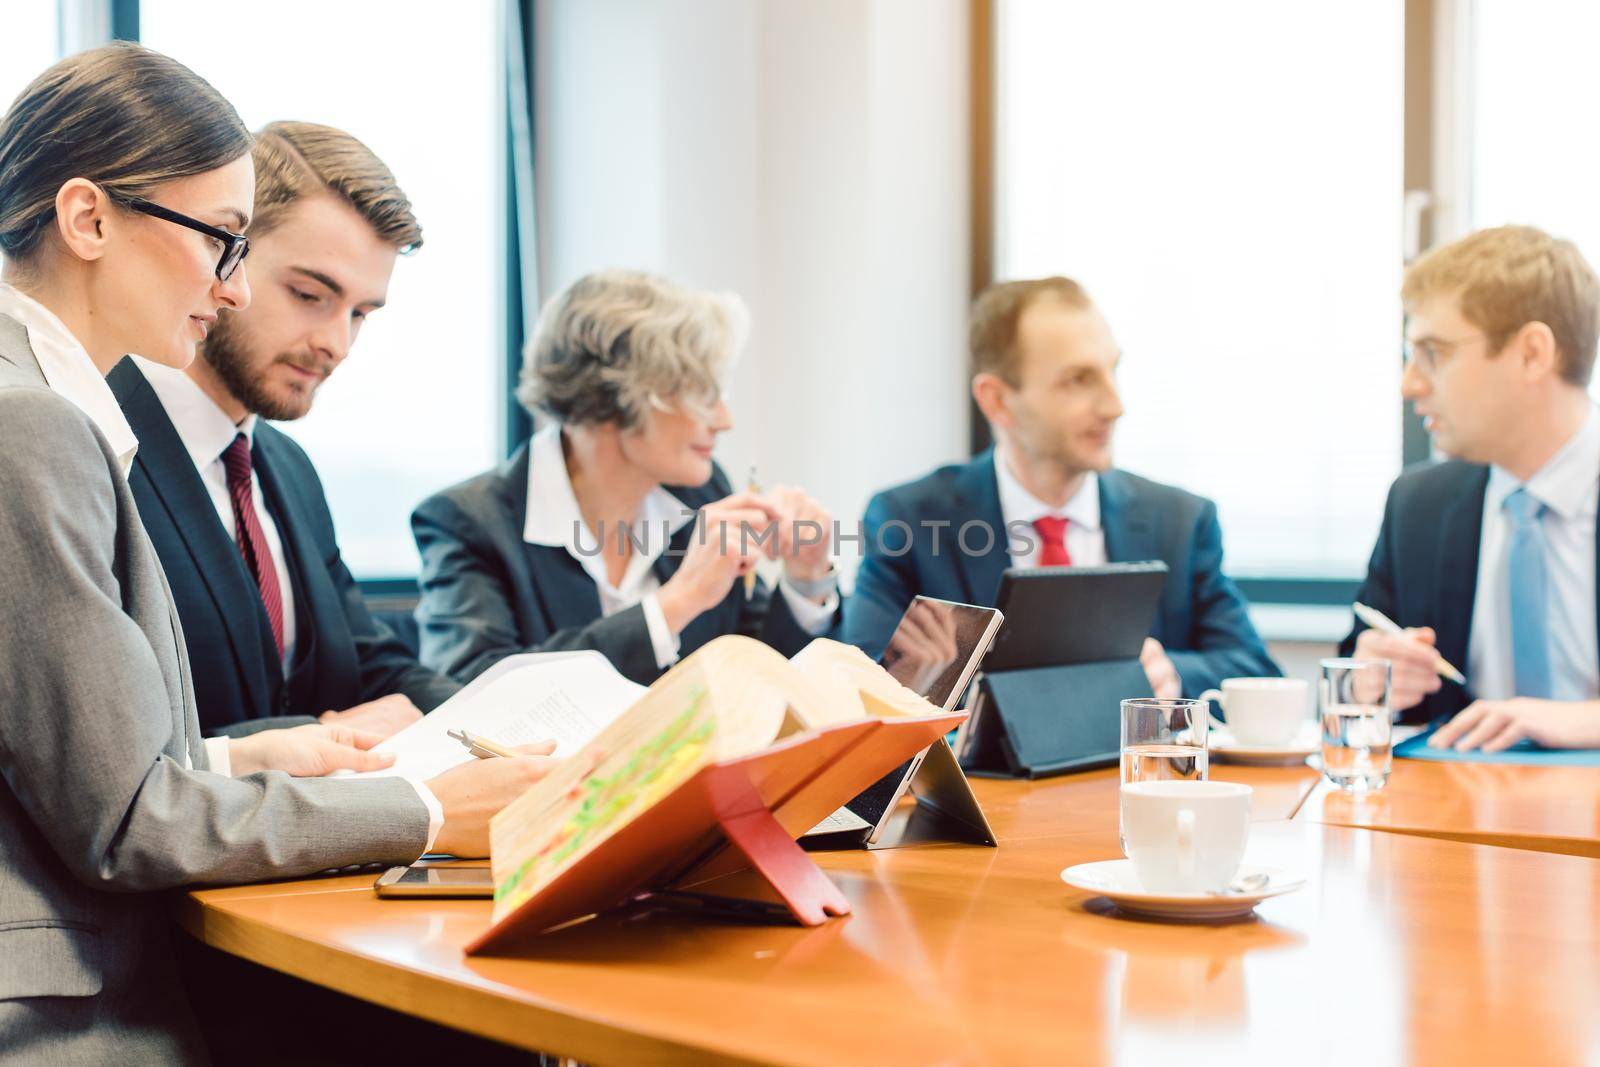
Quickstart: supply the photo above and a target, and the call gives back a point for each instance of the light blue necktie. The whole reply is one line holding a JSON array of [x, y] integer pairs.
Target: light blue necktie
[[1529, 581]]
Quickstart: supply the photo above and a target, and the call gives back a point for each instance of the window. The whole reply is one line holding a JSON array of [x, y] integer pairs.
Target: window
[[31, 33], [418, 405], [1533, 155], [1226, 182]]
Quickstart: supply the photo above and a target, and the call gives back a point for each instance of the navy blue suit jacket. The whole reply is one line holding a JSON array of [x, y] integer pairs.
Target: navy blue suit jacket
[[1424, 568], [1202, 621], [488, 594], [343, 656]]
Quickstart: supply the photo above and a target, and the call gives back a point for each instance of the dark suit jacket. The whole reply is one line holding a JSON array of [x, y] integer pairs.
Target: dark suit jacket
[[343, 656], [1424, 569], [1202, 620], [488, 594]]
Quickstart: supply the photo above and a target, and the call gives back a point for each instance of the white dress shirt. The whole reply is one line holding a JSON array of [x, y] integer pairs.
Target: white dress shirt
[[206, 432], [1569, 487], [71, 374], [1086, 540], [554, 520]]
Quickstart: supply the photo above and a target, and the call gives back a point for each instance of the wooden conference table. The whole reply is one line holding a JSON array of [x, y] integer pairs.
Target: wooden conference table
[[1402, 949], [1547, 809]]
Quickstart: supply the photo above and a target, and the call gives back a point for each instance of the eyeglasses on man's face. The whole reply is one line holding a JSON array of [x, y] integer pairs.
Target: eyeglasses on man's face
[[1428, 353], [235, 246]]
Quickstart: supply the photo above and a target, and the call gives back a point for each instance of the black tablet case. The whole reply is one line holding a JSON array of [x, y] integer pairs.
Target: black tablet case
[[1049, 696]]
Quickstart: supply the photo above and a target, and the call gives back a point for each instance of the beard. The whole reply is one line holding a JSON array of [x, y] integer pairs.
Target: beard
[[227, 352]]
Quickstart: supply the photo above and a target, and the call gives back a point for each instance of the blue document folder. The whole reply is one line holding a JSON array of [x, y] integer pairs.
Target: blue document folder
[[1525, 752]]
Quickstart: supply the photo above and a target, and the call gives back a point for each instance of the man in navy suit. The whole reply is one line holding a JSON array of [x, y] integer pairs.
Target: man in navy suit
[[276, 629], [1044, 375], [1489, 558]]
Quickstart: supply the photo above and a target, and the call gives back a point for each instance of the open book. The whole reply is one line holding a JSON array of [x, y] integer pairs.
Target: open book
[[735, 743]]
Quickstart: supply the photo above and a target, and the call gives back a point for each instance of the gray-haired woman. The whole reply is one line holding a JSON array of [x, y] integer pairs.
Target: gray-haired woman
[[587, 536]]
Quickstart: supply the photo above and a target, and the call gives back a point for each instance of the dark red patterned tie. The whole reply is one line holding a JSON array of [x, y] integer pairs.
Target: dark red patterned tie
[[251, 538], [1053, 532]]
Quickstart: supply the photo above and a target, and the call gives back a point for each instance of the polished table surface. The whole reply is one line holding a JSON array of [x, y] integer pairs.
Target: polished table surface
[[1549, 809], [1401, 949]]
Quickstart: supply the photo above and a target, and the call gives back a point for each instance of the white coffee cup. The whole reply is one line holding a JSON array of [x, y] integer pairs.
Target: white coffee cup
[[1263, 711], [1185, 837]]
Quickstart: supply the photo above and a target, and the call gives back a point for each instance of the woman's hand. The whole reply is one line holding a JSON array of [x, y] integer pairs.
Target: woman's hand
[[474, 792], [730, 536], [307, 751], [805, 530]]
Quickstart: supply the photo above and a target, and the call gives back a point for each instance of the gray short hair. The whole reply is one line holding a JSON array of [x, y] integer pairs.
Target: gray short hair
[[617, 342]]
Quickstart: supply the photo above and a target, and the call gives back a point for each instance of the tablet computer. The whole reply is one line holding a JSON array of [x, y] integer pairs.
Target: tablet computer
[[1064, 615], [429, 880], [934, 651], [1068, 654]]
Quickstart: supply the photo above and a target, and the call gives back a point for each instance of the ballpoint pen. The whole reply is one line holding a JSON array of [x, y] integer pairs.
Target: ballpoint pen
[[481, 747], [1383, 624]]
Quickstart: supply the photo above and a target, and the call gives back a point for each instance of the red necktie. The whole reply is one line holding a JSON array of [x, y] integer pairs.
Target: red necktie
[[1053, 532], [251, 538]]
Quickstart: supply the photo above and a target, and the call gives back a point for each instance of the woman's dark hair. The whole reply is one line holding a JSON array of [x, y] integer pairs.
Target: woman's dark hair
[[122, 116]]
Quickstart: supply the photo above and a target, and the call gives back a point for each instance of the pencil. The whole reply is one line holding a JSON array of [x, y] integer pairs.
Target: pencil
[[751, 486]]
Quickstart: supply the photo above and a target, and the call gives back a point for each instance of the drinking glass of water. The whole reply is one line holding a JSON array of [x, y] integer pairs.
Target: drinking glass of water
[[1164, 740], [1353, 702]]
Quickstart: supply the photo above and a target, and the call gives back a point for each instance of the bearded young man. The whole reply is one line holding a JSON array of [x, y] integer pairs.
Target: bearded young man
[[276, 628]]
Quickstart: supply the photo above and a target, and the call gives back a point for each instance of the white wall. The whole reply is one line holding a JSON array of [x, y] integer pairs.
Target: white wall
[[810, 155]]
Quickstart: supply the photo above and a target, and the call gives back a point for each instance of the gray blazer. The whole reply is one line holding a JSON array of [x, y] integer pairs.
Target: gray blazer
[[99, 806]]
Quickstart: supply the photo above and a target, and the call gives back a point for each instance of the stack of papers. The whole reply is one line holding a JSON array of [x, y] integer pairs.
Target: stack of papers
[[567, 697]]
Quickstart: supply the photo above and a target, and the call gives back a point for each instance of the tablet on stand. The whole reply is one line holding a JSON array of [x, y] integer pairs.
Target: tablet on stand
[[935, 651]]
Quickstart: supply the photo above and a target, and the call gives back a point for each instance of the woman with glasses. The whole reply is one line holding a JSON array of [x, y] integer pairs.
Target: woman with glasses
[[125, 181], [613, 529]]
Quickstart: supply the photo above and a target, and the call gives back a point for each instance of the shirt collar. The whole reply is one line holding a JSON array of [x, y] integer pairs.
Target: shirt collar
[[1566, 480], [206, 431], [1017, 504], [553, 517], [69, 371]]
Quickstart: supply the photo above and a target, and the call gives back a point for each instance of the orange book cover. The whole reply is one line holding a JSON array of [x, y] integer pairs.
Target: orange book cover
[[735, 745]]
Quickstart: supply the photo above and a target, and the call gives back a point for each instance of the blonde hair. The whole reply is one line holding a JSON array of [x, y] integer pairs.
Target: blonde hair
[[1509, 276], [618, 342], [122, 116], [996, 313], [299, 159]]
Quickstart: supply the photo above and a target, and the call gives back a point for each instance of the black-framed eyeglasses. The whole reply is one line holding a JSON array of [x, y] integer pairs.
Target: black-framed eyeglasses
[[235, 246]]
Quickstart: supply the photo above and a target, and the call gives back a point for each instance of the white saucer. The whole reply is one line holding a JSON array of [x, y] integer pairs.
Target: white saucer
[[1115, 879], [1225, 748]]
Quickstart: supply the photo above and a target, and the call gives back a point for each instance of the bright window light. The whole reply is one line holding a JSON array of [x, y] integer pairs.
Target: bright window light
[[417, 405], [1225, 180]]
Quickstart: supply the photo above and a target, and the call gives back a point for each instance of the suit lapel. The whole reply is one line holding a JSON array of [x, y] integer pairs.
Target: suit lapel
[[564, 590], [561, 589], [666, 564], [1460, 530], [978, 498], [166, 465], [1130, 532]]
